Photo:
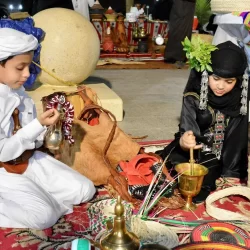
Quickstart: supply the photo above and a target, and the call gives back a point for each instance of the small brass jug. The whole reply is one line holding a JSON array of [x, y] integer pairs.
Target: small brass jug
[[135, 32], [119, 238], [54, 136], [142, 33]]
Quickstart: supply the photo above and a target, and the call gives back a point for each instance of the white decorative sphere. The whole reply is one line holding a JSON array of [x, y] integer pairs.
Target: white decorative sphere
[[71, 47]]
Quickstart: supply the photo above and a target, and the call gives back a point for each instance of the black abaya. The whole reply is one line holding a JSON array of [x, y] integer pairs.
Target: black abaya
[[233, 160]]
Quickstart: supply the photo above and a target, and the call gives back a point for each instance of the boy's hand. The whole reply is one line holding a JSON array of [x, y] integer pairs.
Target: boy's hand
[[49, 117], [188, 141]]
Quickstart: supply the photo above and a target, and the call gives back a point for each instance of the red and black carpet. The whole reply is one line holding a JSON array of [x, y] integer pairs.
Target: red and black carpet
[[76, 225]]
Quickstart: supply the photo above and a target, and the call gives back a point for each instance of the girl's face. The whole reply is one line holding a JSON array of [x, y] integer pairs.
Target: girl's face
[[221, 86], [15, 71]]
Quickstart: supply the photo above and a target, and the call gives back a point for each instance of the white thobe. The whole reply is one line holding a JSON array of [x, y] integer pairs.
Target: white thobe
[[221, 35], [48, 189], [231, 28], [82, 6]]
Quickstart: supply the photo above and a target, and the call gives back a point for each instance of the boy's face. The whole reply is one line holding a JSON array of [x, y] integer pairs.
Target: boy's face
[[15, 72]]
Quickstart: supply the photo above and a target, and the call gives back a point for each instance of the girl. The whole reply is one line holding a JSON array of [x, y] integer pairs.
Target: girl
[[214, 119], [45, 189]]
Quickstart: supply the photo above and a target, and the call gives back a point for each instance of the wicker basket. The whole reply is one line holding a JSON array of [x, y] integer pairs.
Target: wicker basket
[[227, 6]]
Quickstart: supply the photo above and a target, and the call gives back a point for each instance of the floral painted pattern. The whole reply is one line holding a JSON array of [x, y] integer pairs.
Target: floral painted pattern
[[77, 224]]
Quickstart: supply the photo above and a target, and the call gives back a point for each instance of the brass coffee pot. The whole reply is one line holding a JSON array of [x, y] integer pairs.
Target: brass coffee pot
[[119, 238], [142, 33], [139, 33], [135, 32], [54, 136]]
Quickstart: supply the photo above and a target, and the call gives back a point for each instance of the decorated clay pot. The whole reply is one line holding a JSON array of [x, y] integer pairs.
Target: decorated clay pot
[[108, 44]]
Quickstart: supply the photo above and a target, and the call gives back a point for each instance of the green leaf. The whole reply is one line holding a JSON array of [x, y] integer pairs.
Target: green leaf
[[209, 68], [187, 42], [198, 53], [202, 11], [213, 48], [197, 68]]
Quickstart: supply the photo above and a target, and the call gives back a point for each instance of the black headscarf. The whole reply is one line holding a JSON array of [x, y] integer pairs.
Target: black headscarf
[[228, 61]]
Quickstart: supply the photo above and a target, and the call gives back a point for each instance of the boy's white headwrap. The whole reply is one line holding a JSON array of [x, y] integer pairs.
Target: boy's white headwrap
[[13, 42]]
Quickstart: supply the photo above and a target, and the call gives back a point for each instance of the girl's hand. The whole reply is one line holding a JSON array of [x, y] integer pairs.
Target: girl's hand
[[188, 141], [49, 117]]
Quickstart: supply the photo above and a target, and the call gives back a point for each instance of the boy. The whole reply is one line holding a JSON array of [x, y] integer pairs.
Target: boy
[[47, 188]]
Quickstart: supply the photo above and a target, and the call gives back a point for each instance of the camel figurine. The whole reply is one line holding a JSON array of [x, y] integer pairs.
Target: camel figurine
[[119, 35]]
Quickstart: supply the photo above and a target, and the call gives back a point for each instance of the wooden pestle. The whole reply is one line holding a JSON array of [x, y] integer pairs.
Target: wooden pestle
[[192, 160]]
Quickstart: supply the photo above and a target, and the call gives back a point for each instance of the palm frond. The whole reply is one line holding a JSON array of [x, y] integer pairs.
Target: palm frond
[[202, 11]]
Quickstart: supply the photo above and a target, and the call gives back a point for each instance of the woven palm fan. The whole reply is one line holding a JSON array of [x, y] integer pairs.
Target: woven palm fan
[[221, 232], [102, 211], [209, 246], [227, 6], [222, 214], [153, 232]]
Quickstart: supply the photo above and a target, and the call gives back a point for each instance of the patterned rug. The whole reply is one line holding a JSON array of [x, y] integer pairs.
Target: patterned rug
[[76, 225]]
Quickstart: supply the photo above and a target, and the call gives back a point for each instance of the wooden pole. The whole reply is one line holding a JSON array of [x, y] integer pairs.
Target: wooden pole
[[129, 3]]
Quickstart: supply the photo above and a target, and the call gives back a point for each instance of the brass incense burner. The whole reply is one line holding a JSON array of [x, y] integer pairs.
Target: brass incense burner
[[54, 136], [119, 238], [190, 180]]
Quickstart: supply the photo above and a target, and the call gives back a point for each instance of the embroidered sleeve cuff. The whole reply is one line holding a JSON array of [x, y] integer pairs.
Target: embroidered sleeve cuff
[[31, 131]]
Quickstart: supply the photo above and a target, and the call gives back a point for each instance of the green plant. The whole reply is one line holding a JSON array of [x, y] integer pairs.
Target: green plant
[[198, 53], [202, 11]]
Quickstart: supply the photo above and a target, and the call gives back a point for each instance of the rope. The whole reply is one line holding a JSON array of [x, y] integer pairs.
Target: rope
[[64, 82], [54, 76], [88, 106], [98, 109]]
